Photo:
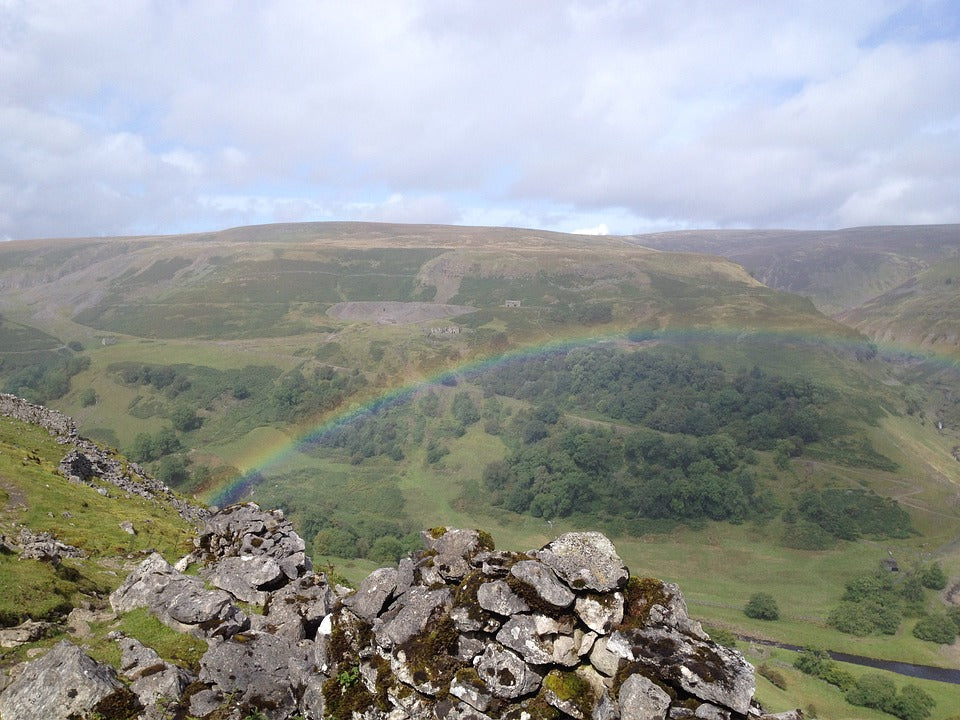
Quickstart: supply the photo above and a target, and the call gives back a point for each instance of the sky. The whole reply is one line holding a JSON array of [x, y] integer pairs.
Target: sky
[[620, 117]]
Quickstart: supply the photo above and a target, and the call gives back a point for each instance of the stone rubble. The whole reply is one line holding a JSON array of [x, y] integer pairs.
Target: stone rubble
[[457, 631]]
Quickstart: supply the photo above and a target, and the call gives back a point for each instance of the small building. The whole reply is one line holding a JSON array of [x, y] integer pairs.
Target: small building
[[512, 303]]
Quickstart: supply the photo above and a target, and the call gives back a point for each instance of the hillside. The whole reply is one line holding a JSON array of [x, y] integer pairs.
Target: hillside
[[838, 269], [374, 380]]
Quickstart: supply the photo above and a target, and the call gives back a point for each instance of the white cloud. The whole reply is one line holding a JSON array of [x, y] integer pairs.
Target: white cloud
[[600, 229], [156, 116]]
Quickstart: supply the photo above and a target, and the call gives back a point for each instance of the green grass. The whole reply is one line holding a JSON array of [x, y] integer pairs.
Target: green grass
[[37, 497]]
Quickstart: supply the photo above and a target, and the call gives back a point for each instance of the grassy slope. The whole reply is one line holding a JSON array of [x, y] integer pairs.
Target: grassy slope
[[33, 495]]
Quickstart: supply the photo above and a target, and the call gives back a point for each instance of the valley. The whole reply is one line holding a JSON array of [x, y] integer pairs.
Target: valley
[[376, 380]]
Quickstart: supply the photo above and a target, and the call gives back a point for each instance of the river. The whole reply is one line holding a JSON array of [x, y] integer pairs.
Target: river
[[922, 672]]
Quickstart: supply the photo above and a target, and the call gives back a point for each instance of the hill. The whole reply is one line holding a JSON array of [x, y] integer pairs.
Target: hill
[[838, 269], [373, 380]]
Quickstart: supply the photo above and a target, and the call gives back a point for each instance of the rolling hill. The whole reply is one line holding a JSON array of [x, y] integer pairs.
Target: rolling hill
[[374, 380]]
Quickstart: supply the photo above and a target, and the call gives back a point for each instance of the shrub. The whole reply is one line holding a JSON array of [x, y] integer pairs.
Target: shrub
[[775, 677], [937, 628], [933, 577], [762, 606], [872, 690], [88, 397]]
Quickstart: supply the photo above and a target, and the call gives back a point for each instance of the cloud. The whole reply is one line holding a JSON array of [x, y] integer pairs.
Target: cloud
[[600, 229], [151, 116]]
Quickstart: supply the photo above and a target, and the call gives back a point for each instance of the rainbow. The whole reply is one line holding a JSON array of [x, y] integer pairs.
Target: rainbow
[[273, 454]]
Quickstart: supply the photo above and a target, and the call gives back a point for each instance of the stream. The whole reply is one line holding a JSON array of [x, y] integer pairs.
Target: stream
[[922, 672]]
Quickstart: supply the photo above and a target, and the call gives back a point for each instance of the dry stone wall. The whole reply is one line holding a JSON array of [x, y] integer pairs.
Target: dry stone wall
[[457, 631]]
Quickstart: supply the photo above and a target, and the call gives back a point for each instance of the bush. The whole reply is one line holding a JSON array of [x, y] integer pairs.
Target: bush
[[872, 690], [87, 397], [775, 677], [937, 628], [762, 606], [933, 577]]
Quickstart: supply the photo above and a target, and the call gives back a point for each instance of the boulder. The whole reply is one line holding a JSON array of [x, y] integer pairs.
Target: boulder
[[180, 601], [63, 684], [497, 597], [543, 582], [641, 699], [152, 678], [373, 593], [506, 675], [585, 561], [258, 670]]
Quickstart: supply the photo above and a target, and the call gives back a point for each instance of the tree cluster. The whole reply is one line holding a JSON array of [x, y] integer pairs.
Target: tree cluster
[[871, 690]]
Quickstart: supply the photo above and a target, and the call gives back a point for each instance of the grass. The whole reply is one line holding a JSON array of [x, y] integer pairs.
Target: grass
[[39, 498]]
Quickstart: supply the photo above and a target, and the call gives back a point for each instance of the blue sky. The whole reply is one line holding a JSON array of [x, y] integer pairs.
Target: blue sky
[[172, 116]]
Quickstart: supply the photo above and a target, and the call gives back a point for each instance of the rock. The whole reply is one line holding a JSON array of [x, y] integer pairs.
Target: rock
[[708, 671], [497, 597], [258, 670], [600, 612], [421, 607], [128, 528], [506, 675], [603, 660], [45, 547], [64, 683], [641, 699], [297, 609], [372, 594], [453, 548], [180, 601], [585, 561], [26, 632], [543, 582], [470, 689], [153, 678], [246, 577], [708, 711]]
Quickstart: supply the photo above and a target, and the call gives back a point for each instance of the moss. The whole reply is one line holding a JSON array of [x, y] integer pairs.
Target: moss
[[486, 541], [531, 597], [120, 705], [431, 656], [342, 700], [572, 688], [640, 595], [437, 532]]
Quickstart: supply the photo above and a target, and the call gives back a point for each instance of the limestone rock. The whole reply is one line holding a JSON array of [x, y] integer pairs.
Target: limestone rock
[[585, 561], [600, 612], [179, 601], [641, 699], [372, 594], [704, 669], [153, 678], [259, 669], [544, 583], [506, 675], [26, 632], [497, 597], [63, 683]]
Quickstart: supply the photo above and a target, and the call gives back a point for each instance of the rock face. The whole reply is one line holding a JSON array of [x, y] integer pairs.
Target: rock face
[[63, 684], [456, 631]]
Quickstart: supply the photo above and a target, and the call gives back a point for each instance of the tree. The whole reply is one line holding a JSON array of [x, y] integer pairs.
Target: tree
[[933, 577], [185, 419], [872, 690], [87, 397], [762, 606], [911, 703], [463, 409], [936, 628]]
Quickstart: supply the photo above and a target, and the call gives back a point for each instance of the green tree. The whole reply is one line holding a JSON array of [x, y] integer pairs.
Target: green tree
[[463, 409], [185, 419], [762, 606], [872, 690], [938, 628], [933, 577], [87, 397], [911, 703]]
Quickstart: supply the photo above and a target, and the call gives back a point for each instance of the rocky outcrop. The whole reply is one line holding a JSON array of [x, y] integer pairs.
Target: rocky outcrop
[[64, 684], [88, 464], [459, 630], [56, 423]]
